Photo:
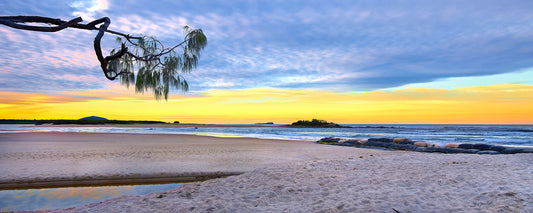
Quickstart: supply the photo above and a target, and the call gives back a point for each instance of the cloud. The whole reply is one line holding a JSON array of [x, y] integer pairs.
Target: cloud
[[87, 9], [159, 26], [338, 46]]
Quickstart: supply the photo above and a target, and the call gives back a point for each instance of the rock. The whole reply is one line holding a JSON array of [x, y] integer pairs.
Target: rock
[[376, 144], [481, 146], [426, 149], [329, 140], [469, 151], [516, 150], [466, 146], [432, 145], [408, 147], [420, 144], [452, 145], [393, 146], [485, 152], [353, 142], [386, 140], [527, 150], [450, 150], [445, 150], [402, 141], [497, 148]]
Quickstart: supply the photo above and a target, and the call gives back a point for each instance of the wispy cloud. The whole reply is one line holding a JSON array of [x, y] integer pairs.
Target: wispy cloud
[[87, 9]]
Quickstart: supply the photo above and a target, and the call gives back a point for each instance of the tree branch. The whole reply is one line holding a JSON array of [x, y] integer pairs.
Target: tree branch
[[157, 70], [12, 21]]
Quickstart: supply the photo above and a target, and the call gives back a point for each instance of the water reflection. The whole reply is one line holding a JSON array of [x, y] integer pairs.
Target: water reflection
[[54, 198]]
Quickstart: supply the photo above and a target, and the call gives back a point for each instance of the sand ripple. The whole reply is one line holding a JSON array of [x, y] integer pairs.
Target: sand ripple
[[407, 182]]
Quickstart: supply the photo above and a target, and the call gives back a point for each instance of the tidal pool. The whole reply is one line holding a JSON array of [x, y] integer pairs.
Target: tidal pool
[[54, 198]]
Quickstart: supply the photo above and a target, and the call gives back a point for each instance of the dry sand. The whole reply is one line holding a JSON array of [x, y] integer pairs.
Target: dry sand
[[65, 159], [279, 176]]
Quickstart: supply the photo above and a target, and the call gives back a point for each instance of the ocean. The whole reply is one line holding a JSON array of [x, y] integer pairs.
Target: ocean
[[509, 135]]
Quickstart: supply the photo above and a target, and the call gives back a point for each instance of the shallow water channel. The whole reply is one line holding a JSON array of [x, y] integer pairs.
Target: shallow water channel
[[54, 198]]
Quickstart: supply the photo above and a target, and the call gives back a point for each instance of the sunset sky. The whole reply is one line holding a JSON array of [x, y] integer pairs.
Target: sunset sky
[[350, 62]]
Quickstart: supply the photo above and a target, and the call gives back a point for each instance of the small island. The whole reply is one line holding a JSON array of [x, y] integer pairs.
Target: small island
[[316, 123]]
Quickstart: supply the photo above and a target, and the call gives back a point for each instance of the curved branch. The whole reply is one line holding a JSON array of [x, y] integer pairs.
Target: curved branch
[[12, 21], [97, 47]]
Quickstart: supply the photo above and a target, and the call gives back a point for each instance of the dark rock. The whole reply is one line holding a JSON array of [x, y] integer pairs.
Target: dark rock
[[516, 150], [375, 143], [451, 150], [407, 147], [527, 150], [466, 146], [411, 147], [393, 145], [446, 150], [481, 146], [426, 149], [402, 141], [406, 144], [329, 140], [386, 140], [353, 142], [485, 152], [497, 148], [469, 151], [342, 144]]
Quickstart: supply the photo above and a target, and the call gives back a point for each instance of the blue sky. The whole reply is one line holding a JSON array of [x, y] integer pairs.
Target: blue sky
[[342, 46]]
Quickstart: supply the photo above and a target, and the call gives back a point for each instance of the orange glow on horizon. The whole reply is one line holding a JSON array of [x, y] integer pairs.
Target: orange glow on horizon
[[496, 104]]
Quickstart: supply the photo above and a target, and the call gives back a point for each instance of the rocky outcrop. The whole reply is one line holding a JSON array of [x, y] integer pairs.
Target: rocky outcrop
[[421, 146]]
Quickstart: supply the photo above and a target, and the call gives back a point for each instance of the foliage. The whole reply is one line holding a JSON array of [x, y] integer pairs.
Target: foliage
[[314, 123], [159, 69]]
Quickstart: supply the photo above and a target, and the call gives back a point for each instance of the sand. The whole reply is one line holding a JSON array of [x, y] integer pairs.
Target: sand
[[33, 160], [277, 176]]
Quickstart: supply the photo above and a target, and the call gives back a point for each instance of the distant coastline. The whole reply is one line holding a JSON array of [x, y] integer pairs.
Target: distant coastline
[[80, 122]]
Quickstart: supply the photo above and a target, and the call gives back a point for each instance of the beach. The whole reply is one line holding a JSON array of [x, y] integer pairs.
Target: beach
[[64, 159], [259, 175]]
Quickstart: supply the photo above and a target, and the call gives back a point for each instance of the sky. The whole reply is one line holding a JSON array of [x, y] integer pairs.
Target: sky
[[351, 62]]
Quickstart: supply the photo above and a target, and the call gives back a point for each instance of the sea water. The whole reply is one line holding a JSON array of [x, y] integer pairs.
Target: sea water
[[510, 135], [54, 198]]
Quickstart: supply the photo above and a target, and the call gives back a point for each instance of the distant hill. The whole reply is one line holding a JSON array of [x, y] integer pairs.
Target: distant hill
[[267, 123], [315, 123], [93, 118]]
